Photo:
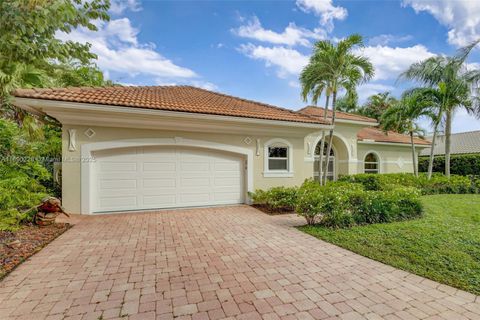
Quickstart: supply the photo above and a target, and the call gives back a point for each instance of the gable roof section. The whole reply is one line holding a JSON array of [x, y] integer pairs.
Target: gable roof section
[[320, 112], [170, 98], [379, 135], [461, 143]]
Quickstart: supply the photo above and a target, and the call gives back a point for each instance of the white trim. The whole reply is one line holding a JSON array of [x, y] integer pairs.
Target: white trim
[[280, 174], [36, 104], [371, 124], [379, 160], [319, 137], [393, 144], [86, 174], [267, 173]]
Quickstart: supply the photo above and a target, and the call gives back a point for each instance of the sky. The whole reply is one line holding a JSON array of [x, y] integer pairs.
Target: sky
[[256, 49]]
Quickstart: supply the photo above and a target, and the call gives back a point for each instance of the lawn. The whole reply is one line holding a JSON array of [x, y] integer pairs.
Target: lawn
[[443, 246]]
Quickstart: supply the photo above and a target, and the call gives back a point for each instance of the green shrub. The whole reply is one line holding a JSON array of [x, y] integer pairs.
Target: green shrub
[[277, 199], [461, 164], [438, 184], [21, 175], [345, 204]]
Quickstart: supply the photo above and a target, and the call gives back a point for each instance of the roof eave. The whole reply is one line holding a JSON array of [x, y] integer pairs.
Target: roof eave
[[36, 106]]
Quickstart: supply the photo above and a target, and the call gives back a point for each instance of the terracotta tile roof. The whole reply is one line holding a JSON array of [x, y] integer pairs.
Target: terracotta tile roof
[[319, 112], [170, 98], [379, 135]]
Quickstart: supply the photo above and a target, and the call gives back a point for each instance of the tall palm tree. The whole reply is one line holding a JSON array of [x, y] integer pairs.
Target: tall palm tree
[[459, 87], [314, 84], [402, 117], [341, 68]]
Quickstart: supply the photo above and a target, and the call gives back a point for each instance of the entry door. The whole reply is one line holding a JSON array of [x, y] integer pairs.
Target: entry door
[[166, 177]]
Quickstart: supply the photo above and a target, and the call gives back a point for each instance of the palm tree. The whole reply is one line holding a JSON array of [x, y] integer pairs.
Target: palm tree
[[313, 85], [377, 104], [457, 84], [402, 118], [342, 69]]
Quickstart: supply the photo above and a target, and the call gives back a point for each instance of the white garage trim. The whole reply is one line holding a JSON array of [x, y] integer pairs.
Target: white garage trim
[[87, 149]]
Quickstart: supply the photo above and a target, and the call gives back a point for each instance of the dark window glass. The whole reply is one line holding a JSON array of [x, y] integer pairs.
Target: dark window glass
[[278, 164], [277, 152]]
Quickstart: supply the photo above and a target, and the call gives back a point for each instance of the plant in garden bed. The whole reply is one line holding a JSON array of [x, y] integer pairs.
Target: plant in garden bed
[[344, 204], [275, 200], [438, 184]]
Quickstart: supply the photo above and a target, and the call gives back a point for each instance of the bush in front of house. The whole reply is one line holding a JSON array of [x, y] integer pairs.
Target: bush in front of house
[[275, 200], [438, 184], [461, 164], [344, 204]]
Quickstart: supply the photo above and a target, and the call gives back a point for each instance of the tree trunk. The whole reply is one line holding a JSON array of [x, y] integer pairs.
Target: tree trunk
[[329, 147], [448, 132], [430, 161], [322, 143], [414, 158]]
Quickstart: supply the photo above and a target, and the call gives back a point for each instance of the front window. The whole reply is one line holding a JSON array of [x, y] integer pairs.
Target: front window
[[371, 163], [278, 158]]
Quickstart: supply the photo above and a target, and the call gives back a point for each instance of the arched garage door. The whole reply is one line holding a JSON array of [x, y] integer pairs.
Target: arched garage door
[[165, 177]]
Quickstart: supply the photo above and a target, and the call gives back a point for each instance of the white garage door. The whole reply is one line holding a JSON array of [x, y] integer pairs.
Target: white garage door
[[165, 177]]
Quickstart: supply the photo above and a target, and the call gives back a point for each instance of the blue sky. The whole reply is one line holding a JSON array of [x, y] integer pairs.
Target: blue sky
[[256, 49]]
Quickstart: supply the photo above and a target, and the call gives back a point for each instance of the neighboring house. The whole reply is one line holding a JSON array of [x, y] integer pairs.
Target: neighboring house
[[461, 143], [133, 148]]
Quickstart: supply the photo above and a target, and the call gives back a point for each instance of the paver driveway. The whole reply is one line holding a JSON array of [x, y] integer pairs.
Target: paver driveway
[[215, 263]]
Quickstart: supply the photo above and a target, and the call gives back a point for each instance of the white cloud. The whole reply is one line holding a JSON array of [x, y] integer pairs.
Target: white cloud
[[118, 50], [324, 9], [120, 6], [462, 17], [389, 62], [287, 61], [292, 35], [384, 39]]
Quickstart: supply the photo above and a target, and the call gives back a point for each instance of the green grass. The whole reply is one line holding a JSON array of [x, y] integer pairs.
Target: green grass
[[444, 245]]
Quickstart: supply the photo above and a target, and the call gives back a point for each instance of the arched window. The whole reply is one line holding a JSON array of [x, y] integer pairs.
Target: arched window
[[371, 163], [278, 158], [317, 169]]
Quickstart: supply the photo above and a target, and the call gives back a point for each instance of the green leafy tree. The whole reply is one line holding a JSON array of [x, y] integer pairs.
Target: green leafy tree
[[402, 117], [348, 103], [340, 68], [458, 85], [377, 104], [30, 49]]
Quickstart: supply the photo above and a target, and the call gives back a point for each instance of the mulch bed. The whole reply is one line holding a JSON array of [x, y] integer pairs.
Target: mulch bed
[[270, 211], [17, 246]]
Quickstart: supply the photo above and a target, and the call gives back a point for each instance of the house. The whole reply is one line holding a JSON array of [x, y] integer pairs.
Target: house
[[135, 148], [461, 143]]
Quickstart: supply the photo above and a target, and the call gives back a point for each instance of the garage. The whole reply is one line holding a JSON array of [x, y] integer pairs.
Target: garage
[[154, 177]]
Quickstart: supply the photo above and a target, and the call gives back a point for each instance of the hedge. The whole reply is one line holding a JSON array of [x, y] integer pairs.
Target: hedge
[[343, 204], [438, 184], [275, 200], [466, 164]]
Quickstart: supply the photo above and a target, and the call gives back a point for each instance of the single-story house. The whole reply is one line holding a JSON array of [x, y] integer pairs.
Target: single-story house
[[460, 143], [136, 148]]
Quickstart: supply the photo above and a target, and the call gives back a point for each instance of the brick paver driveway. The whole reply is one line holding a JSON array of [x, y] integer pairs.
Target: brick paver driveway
[[215, 263]]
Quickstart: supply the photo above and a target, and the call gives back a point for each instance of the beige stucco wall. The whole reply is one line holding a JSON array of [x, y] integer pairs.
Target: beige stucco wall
[[349, 154], [393, 158], [71, 169]]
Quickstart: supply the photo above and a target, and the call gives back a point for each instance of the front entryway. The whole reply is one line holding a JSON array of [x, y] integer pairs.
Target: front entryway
[[152, 177]]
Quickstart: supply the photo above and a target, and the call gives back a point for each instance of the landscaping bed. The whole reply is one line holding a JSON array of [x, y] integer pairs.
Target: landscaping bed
[[16, 246], [443, 246]]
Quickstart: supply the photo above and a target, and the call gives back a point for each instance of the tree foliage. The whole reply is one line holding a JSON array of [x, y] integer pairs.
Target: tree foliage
[[377, 104]]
